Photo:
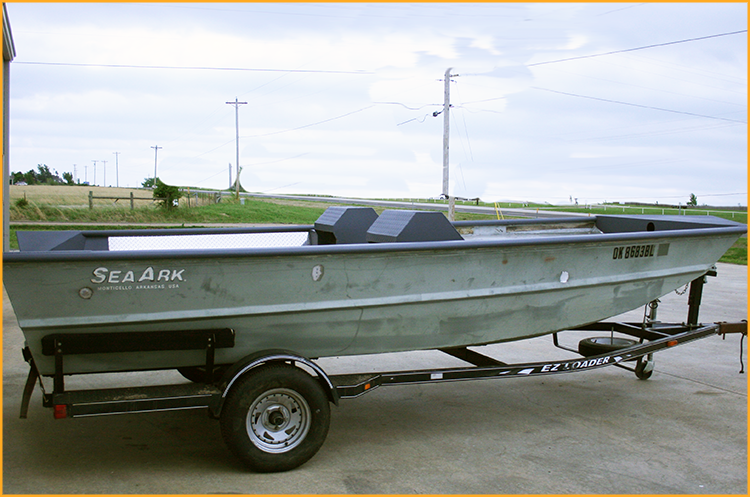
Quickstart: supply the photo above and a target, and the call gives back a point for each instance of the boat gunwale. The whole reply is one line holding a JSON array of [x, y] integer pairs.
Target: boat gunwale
[[714, 227]]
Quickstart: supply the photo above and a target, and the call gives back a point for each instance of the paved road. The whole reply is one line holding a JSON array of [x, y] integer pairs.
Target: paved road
[[682, 432]]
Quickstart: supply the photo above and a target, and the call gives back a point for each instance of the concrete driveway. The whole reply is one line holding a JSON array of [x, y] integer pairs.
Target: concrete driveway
[[684, 431]]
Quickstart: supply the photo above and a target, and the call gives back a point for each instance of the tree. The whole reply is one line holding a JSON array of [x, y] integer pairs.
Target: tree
[[16, 177], [47, 177], [148, 183], [42, 176], [693, 200], [68, 178], [30, 177], [168, 195]]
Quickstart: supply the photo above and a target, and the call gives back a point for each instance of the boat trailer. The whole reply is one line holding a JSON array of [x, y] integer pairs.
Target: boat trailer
[[598, 352], [214, 387]]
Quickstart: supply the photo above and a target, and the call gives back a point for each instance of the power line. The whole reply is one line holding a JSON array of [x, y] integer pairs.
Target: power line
[[421, 120], [406, 106], [288, 130], [641, 106], [190, 68], [618, 10], [311, 124], [637, 48], [212, 176]]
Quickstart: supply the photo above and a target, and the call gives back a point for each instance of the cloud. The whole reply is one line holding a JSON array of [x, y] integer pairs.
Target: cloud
[[340, 97]]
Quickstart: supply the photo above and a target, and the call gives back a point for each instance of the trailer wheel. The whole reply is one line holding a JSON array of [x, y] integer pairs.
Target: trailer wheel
[[644, 368], [275, 418], [602, 345]]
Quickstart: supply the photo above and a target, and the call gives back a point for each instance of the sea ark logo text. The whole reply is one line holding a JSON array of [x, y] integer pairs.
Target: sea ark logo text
[[147, 275]]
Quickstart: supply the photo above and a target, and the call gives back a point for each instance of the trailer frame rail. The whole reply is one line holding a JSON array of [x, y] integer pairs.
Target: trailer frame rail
[[355, 385]]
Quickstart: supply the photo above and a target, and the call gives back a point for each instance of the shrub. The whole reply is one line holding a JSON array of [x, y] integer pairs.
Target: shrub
[[168, 195]]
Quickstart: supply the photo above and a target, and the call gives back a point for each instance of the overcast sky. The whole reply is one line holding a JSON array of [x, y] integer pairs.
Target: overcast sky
[[551, 101]]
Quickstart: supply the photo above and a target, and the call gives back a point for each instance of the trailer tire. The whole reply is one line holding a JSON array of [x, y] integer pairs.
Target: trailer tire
[[275, 418], [603, 345], [644, 368]]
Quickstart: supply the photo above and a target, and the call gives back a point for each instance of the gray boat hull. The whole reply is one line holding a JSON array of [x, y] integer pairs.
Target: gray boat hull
[[331, 300]]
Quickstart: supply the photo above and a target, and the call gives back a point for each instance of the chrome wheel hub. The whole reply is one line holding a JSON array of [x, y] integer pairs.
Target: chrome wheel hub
[[278, 420]]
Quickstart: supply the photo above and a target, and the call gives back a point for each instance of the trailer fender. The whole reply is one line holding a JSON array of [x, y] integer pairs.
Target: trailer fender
[[258, 359]]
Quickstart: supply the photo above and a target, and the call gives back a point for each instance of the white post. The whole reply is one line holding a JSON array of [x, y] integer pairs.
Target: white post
[[237, 104], [117, 169], [446, 140], [156, 152]]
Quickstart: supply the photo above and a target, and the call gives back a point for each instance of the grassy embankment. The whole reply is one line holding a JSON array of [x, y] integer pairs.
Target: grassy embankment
[[69, 204]]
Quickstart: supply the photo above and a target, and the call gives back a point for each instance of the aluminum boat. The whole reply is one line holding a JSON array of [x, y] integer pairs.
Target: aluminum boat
[[353, 283]]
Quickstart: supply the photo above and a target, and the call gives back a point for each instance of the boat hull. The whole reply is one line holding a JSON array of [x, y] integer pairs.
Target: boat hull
[[349, 299]]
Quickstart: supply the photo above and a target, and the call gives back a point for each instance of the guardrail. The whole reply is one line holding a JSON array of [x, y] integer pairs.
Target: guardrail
[[658, 210]]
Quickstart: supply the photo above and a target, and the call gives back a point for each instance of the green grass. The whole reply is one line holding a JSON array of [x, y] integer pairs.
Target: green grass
[[254, 211], [226, 212], [737, 253]]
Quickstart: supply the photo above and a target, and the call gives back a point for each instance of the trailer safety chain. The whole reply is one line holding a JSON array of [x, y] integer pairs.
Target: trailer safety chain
[[741, 328], [742, 365], [683, 291]]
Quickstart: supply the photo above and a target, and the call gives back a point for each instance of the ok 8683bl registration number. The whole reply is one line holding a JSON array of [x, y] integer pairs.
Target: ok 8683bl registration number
[[634, 251]]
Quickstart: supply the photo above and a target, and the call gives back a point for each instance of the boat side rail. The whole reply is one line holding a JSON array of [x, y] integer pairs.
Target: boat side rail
[[286, 228], [99, 240]]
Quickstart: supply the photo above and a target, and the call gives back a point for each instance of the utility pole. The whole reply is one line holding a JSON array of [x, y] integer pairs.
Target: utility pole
[[156, 151], [94, 161], [85, 173], [446, 139], [117, 168], [237, 104], [230, 175], [75, 173], [105, 173]]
